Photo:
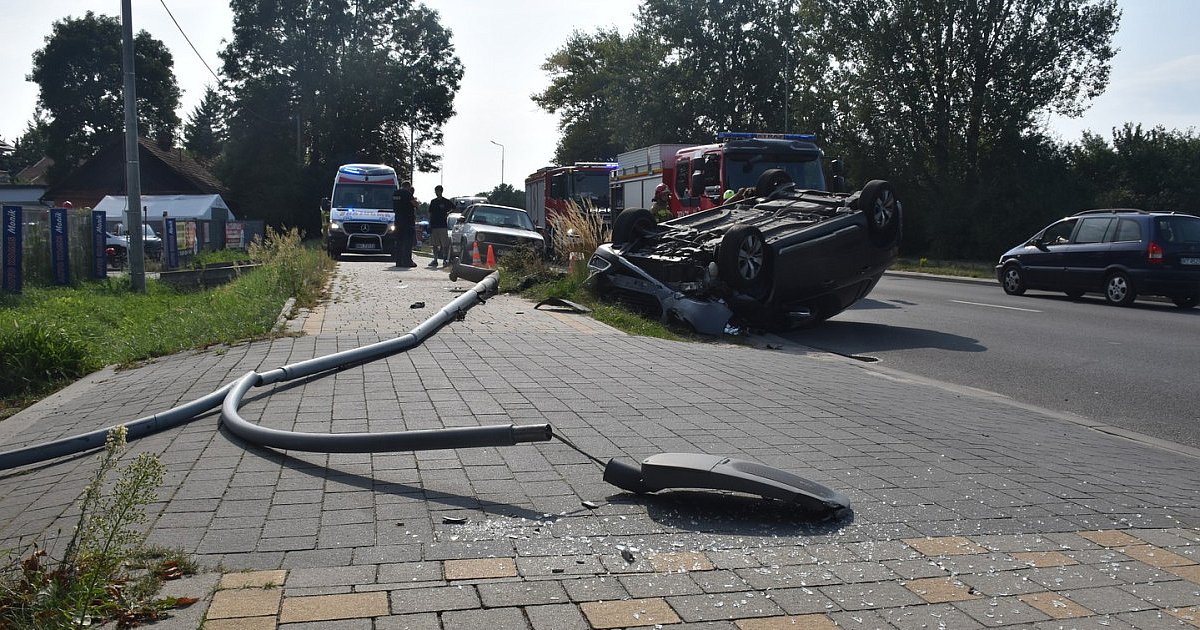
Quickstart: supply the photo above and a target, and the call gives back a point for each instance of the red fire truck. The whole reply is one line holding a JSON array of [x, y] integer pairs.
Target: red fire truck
[[550, 191], [696, 177]]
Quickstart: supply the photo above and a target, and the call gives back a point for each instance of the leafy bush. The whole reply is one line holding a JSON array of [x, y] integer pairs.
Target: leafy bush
[[301, 273], [34, 354]]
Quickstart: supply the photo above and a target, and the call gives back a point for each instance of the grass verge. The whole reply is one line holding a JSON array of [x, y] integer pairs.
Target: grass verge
[[524, 272], [51, 336], [964, 268]]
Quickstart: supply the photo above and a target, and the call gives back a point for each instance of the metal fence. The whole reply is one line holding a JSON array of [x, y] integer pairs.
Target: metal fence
[[192, 237]]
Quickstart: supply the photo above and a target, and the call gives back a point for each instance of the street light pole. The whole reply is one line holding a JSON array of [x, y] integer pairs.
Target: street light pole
[[501, 159]]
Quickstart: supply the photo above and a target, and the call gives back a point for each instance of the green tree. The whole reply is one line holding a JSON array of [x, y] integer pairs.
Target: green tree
[[692, 69], [585, 75], [505, 195], [33, 143], [204, 132], [333, 81], [80, 83], [1151, 169]]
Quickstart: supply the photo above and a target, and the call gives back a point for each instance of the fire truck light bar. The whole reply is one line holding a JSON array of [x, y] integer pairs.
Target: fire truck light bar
[[743, 135]]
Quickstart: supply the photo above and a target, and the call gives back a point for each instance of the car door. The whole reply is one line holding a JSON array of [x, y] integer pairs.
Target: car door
[[1086, 257], [456, 234], [1042, 257]]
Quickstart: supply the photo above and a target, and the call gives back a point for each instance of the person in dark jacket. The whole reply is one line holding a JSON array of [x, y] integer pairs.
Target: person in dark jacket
[[405, 207], [439, 208]]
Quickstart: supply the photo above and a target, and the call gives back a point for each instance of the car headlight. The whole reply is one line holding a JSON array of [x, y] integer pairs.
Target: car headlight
[[480, 237], [334, 226], [391, 227]]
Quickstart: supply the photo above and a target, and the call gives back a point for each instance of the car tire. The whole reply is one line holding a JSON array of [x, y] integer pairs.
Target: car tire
[[744, 261], [465, 256], [1075, 294], [1119, 289], [878, 202], [1012, 280], [632, 223], [1186, 301], [770, 181]]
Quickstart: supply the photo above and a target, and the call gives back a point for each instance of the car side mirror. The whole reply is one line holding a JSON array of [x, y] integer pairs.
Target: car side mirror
[[325, 204], [1040, 244]]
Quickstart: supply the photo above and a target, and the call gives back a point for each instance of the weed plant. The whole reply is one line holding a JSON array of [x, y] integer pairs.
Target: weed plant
[[95, 580], [578, 232]]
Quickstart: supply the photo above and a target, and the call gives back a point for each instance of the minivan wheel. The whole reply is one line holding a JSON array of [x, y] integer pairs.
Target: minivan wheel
[[1118, 289], [1186, 301], [1013, 283]]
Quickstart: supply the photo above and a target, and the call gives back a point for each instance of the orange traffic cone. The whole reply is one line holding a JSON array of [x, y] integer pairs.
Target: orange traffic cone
[[491, 259], [475, 254]]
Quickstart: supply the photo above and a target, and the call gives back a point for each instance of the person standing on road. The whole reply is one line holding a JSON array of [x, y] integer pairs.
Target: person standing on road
[[439, 207], [404, 205]]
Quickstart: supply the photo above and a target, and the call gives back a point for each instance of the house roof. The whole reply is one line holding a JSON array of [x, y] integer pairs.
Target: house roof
[[162, 172], [35, 173]]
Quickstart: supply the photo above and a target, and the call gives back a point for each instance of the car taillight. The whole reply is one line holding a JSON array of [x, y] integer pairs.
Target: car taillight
[[1154, 253]]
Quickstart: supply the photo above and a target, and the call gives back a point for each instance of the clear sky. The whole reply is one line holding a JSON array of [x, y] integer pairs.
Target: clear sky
[[502, 43]]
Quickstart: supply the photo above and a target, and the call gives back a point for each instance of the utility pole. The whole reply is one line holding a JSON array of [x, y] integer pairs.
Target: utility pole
[[501, 159], [133, 177]]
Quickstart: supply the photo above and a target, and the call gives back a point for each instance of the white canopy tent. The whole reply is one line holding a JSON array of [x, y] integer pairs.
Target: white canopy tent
[[195, 207]]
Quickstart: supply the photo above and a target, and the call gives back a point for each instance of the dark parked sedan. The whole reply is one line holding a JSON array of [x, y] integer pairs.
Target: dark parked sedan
[[774, 257], [1121, 253]]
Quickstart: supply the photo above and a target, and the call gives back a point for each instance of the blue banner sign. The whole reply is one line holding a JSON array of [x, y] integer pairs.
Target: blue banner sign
[[60, 251], [10, 247], [171, 243], [99, 245]]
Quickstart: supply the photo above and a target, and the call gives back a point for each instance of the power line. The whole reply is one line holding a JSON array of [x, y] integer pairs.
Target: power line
[[189, 40], [210, 70]]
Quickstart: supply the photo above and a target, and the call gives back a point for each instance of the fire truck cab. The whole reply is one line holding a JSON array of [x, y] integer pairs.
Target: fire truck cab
[[555, 190], [702, 174]]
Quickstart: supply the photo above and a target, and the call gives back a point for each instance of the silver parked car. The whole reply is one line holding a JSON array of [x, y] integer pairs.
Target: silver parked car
[[500, 227]]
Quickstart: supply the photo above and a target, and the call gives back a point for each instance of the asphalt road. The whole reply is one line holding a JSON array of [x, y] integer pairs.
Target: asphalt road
[[1134, 368]]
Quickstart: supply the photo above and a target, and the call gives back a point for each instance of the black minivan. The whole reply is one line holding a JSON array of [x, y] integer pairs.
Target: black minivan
[[1121, 253]]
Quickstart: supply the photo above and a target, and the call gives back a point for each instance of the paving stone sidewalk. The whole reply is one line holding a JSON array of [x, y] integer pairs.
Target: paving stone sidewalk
[[969, 511]]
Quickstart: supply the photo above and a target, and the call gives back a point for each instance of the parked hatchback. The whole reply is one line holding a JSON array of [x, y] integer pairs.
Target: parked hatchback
[[1120, 253]]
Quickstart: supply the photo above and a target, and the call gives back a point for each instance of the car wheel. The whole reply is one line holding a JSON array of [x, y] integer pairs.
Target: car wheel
[[1186, 301], [770, 181], [1074, 294], [632, 223], [744, 261], [878, 201], [1013, 282], [1119, 290], [465, 256]]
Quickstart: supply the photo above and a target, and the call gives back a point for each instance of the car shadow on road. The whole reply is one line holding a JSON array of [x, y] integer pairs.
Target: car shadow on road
[[859, 338]]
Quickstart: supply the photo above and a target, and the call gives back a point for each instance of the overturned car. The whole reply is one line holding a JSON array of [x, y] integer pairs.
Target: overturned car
[[773, 257]]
